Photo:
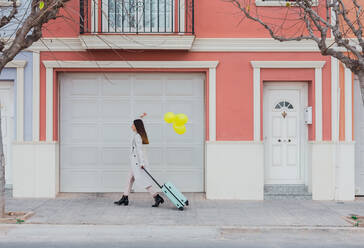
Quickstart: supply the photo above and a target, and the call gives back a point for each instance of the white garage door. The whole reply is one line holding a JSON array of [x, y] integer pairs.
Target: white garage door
[[96, 111]]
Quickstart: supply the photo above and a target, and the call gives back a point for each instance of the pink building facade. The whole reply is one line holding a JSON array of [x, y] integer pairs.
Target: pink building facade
[[261, 112]]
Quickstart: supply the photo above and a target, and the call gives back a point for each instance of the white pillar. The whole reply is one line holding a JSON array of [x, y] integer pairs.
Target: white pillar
[[20, 104], [318, 103], [212, 104], [49, 104], [334, 99], [348, 105], [256, 109], [36, 83]]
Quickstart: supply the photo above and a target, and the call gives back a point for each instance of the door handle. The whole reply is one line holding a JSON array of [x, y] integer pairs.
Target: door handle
[[279, 140]]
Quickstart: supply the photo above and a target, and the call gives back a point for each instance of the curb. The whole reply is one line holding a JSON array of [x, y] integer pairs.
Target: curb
[[220, 228]]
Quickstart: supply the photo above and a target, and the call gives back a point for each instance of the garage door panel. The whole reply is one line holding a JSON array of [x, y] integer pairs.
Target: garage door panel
[[116, 109], [176, 88], [186, 89], [81, 181], [155, 156], [116, 84], [197, 132], [155, 132], [84, 87], [79, 84], [180, 157], [153, 107], [148, 86], [182, 106], [115, 133], [114, 181], [78, 156], [76, 133], [84, 109], [116, 156], [190, 136]]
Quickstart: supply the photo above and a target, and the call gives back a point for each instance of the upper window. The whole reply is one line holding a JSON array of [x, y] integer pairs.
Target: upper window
[[283, 104]]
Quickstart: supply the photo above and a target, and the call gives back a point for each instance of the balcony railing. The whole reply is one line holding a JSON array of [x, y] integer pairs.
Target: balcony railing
[[137, 16]]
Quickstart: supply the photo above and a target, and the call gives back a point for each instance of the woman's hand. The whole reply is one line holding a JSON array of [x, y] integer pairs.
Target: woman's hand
[[143, 115]]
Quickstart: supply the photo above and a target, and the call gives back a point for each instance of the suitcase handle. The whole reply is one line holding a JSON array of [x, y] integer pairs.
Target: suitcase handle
[[152, 178]]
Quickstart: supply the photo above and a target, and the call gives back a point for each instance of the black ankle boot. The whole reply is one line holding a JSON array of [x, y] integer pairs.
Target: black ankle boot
[[124, 200], [158, 200]]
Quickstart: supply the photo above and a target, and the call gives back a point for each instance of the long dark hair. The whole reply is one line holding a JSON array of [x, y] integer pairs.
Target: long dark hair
[[139, 125]]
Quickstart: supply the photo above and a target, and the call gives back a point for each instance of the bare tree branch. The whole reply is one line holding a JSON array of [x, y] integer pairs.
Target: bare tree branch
[[31, 30]]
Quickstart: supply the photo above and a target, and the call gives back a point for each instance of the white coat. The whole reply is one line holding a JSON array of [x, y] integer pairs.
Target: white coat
[[137, 159]]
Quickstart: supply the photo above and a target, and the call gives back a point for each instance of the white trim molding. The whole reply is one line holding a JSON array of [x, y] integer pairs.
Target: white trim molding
[[334, 99], [122, 41], [258, 65], [36, 88], [19, 65], [212, 104], [288, 64], [16, 64], [256, 103], [318, 104], [198, 44], [348, 106], [251, 45], [211, 65], [49, 104], [57, 44], [131, 64]]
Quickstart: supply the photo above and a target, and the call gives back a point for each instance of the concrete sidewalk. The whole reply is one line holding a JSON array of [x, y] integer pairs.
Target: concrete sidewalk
[[99, 209]]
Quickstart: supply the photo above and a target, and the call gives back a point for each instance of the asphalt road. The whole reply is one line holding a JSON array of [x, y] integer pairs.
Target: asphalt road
[[95, 236]]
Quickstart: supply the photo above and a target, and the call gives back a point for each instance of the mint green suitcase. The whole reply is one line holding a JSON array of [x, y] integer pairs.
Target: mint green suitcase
[[173, 194]]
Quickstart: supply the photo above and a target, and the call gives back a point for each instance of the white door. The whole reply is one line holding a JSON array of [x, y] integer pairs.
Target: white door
[[282, 133], [7, 121], [359, 139], [96, 112]]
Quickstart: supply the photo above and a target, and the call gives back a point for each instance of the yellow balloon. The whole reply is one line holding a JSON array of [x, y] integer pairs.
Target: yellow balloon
[[181, 119], [41, 5], [179, 129], [169, 117]]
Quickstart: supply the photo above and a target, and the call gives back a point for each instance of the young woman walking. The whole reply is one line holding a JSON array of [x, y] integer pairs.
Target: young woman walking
[[138, 161]]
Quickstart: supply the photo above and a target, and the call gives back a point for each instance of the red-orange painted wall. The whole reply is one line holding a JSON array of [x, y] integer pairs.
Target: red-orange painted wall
[[234, 84], [213, 19]]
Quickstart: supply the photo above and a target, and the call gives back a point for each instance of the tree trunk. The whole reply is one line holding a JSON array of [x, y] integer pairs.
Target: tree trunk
[[360, 76], [2, 173]]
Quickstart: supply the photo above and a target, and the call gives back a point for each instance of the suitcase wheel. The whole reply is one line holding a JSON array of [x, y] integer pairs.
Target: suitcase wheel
[[180, 208], [187, 203]]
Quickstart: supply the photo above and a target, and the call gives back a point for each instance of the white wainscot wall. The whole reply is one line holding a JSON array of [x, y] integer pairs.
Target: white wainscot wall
[[36, 169], [332, 167], [234, 170]]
